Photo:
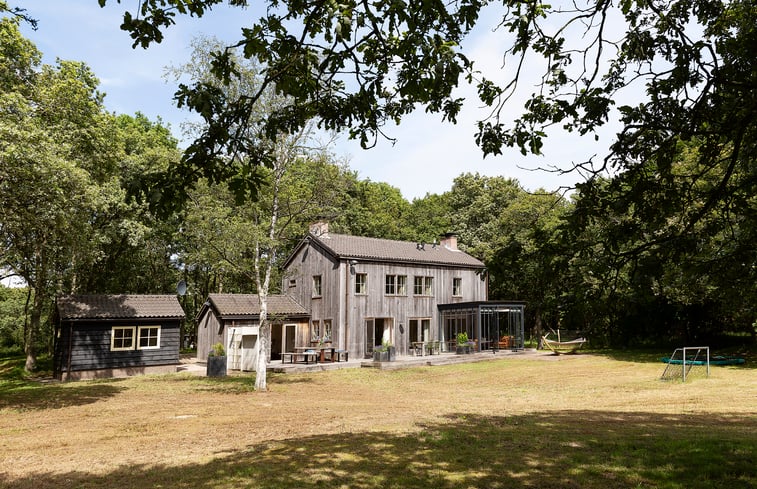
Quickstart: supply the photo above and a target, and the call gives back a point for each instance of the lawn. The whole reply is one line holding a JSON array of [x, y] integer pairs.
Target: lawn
[[574, 421]]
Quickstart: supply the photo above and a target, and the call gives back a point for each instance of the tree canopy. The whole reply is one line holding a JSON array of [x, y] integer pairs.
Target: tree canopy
[[357, 65]]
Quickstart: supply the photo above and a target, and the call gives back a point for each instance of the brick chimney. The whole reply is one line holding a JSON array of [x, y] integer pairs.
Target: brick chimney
[[449, 241], [320, 228]]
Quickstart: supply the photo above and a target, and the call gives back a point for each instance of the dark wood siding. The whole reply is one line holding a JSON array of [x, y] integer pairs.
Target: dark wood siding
[[86, 345]]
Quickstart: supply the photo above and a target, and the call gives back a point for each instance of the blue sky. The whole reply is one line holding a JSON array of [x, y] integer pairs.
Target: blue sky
[[426, 157]]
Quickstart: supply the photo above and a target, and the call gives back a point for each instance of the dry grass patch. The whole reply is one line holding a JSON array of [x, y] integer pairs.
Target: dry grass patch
[[579, 421]]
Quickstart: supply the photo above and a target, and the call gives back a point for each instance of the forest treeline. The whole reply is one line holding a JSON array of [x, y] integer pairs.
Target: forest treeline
[[76, 216]]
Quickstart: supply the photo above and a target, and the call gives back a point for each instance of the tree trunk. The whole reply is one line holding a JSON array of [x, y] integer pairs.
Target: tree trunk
[[30, 334], [538, 328], [264, 339]]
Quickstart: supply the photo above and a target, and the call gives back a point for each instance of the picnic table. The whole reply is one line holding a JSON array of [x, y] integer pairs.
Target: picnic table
[[320, 351], [305, 355]]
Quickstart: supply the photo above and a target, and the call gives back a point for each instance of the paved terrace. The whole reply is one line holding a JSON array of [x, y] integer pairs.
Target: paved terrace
[[402, 361]]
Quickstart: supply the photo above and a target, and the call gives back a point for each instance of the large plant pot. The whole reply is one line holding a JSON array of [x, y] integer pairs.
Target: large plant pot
[[385, 356], [216, 367]]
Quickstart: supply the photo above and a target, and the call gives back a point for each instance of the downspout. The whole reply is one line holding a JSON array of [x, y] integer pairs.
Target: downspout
[[346, 306]]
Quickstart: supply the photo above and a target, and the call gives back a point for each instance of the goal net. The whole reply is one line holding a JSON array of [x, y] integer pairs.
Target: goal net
[[687, 362]]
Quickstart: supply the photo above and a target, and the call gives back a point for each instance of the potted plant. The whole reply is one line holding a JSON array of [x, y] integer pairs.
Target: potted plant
[[216, 361], [385, 353], [463, 344]]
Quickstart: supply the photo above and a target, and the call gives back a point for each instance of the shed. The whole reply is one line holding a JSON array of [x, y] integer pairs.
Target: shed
[[233, 320], [116, 335]]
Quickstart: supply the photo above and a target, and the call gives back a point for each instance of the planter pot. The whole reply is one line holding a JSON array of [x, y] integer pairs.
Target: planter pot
[[216, 367], [385, 356], [463, 349]]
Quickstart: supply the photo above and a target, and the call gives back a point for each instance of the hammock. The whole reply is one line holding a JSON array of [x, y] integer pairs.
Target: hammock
[[563, 346]]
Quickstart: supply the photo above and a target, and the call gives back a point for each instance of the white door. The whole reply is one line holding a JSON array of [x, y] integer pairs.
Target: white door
[[249, 352], [234, 352]]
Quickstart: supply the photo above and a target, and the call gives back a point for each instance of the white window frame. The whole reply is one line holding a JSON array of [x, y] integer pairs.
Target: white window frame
[[113, 330], [139, 338]]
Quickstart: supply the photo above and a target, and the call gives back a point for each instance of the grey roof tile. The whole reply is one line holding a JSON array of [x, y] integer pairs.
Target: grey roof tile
[[357, 247], [121, 306], [249, 305]]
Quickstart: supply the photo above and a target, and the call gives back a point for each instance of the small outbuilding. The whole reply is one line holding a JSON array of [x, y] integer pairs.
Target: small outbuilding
[[234, 320], [100, 336]]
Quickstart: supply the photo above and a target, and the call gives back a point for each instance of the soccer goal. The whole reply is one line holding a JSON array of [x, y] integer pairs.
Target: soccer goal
[[685, 362]]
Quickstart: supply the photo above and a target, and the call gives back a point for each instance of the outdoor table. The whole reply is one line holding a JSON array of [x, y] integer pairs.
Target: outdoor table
[[321, 351], [305, 352]]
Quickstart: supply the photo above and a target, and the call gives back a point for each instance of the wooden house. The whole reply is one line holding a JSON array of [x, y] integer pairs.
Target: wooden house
[[364, 292], [233, 320], [116, 335]]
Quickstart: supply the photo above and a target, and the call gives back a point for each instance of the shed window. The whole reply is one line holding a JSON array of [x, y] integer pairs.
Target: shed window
[[122, 338], [149, 337]]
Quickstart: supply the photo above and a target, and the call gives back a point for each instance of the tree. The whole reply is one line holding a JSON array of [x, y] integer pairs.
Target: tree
[[357, 65], [133, 246], [49, 125], [66, 224], [375, 209], [477, 201], [664, 283], [295, 183]]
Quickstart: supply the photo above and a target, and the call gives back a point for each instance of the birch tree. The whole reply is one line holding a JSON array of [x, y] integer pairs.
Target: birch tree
[[248, 233]]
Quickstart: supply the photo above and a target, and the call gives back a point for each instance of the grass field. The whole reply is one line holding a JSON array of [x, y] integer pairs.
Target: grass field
[[578, 421]]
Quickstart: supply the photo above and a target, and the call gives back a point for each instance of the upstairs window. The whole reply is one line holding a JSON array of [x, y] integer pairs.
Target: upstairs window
[[396, 285], [457, 287], [361, 284], [423, 286], [316, 285]]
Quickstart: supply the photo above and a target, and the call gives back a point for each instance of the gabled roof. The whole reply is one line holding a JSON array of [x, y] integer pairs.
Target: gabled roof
[[241, 305], [344, 247], [119, 307]]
